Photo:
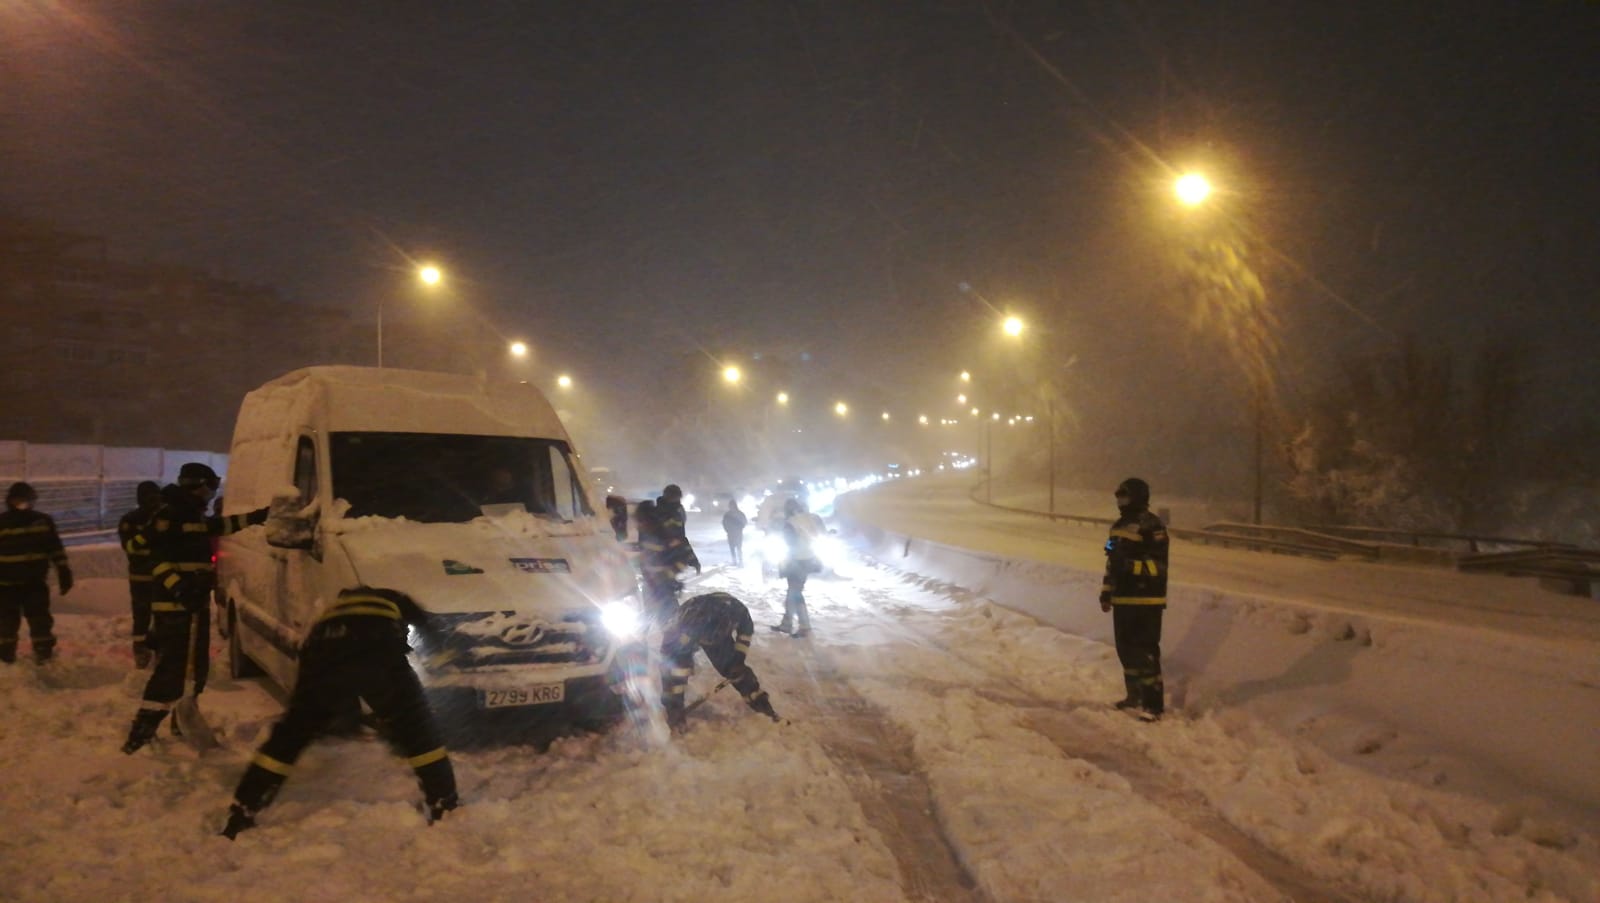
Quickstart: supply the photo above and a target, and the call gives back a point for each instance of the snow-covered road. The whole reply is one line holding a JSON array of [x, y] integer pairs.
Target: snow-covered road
[[937, 747]]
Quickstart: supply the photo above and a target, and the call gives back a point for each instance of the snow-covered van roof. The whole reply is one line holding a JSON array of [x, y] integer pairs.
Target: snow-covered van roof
[[371, 399]]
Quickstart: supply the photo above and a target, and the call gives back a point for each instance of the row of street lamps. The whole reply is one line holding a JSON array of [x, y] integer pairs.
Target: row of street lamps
[[430, 276]]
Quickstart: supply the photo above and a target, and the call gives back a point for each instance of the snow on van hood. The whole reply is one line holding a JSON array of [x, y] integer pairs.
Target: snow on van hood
[[517, 562]]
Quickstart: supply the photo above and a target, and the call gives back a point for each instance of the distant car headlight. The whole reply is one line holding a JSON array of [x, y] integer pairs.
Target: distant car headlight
[[773, 548], [830, 551], [621, 619]]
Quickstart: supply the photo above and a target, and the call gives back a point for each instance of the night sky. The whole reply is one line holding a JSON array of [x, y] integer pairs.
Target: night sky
[[733, 177]]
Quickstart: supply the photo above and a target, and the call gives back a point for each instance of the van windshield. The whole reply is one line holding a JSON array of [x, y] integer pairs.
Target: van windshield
[[440, 478]]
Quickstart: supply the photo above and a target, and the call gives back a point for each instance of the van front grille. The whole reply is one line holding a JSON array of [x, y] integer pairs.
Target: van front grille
[[498, 638]]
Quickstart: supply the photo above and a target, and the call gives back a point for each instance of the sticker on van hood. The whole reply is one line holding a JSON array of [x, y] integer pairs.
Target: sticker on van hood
[[453, 568], [542, 565]]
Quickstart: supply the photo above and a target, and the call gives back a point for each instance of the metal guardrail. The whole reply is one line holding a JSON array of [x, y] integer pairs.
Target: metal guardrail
[[1473, 543], [1560, 566], [1570, 570]]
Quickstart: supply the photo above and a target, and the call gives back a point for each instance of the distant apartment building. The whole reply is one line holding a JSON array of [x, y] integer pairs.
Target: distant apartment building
[[107, 352]]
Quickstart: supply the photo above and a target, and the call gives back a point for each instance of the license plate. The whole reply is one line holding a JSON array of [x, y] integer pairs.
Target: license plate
[[540, 694]]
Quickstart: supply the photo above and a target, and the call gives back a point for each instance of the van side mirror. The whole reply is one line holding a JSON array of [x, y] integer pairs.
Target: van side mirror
[[289, 525], [291, 532]]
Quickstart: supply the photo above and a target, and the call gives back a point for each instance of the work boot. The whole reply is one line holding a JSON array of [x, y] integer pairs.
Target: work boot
[[781, 628], [44, 649], [1127, 702], [143, 730], [762, 704], [677, 720], [435, 809], [801, 634], [239, 819]]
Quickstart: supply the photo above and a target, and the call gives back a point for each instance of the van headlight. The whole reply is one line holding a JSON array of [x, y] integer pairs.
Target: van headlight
[[620, 619]]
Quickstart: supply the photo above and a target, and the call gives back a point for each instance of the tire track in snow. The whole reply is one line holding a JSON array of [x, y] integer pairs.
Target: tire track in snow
[[1064, 726], [883, 775]]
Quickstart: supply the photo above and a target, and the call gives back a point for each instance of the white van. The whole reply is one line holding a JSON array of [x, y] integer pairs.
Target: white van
[[467, 497]]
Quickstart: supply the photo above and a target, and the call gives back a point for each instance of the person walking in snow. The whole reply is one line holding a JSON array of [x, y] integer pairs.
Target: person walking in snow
[[733, 524], [140, 583], [183, 571], [801, 529], [355, 651], [721, 625], [1135, 592], [29, 546]]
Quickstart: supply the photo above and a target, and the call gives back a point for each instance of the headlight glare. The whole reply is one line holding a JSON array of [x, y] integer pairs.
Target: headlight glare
[[621, 619]]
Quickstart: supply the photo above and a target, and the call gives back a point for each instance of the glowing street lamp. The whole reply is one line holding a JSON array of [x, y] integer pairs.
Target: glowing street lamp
[[564, 381], [961, 399], [966, 376], [885, 415], [519, 349], [1192, 189], [922, 419], [841, 409], [783, 398], [1012, 326], [731, 375], [427, 274]]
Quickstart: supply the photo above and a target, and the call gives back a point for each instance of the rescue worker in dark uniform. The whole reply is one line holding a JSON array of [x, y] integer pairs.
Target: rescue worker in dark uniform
[[721, 625], [1135, 592], [670, 515], [617, 510], [140, 583], [178, 538], [355, 651], [29, 546], [661, 559]]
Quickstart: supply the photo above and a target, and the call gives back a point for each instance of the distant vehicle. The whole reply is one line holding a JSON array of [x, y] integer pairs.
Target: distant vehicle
[[603, 481], [769, 543], [468, 498]]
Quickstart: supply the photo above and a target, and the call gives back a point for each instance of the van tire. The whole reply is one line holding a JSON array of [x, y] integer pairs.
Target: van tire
[[240, 665]]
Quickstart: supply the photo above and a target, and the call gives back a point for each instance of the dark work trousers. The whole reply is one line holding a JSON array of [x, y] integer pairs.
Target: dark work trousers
[[677, 664], [1138, 633], [736, 546], [660, 594], [173, 648], [31, 601], [346, 660], [140, 593]]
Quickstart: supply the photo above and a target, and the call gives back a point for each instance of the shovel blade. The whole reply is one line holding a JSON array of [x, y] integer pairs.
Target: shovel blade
[[196, 732]]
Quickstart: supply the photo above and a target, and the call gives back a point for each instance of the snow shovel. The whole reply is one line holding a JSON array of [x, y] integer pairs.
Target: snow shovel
[[186, 715], [702, 700]]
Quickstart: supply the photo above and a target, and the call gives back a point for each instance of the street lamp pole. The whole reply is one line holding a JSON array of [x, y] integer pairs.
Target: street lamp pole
[[1050, 425], [988, 461]]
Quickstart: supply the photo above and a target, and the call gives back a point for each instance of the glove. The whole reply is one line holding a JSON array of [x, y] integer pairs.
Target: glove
[[192, 596], [64, 579], [1105, 601]]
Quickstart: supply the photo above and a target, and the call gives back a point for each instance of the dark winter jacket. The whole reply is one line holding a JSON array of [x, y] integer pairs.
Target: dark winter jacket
[[128, 529], [734, 522], [706, 619], [29, 545], [178, 539], [1136, 559], [672, 519]]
